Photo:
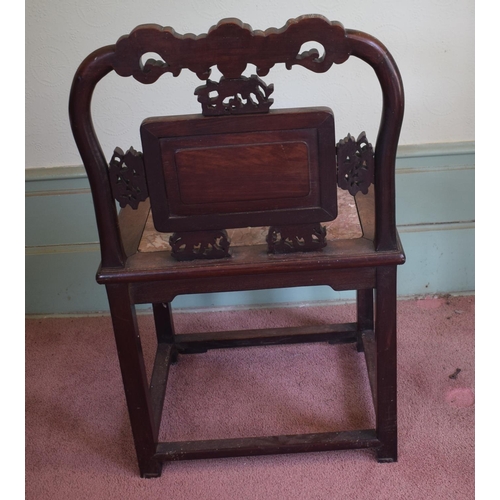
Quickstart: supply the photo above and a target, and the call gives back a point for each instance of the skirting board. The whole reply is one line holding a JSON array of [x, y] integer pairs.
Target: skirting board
[[435, 207]]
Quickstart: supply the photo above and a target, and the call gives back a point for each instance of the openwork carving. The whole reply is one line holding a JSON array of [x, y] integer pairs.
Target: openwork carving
[[355, 164], [296, 238], [235, 96], [128, 177], [230, 45], [200, 245]]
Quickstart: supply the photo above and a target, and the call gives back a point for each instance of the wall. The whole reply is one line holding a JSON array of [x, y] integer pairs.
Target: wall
[[432, 41]]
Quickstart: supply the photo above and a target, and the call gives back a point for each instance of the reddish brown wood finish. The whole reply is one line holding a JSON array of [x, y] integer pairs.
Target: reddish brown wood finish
[[235, 96], [191, 245], [240, 171], [128, 178], [367, 265], [296, 238], [230, 45], [355, 164]]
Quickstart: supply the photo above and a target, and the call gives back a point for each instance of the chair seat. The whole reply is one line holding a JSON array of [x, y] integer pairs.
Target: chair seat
[[350, 255]]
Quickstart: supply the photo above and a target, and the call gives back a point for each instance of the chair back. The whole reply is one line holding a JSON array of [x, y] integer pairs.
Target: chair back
[[238, 163]]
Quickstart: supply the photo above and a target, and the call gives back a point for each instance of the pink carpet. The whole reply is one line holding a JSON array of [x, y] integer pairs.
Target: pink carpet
[[79, 445]]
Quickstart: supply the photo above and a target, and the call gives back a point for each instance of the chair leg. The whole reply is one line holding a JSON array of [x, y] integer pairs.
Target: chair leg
[[164, 324], [162, 313], [134, 377], [364, 311], [386, 385]]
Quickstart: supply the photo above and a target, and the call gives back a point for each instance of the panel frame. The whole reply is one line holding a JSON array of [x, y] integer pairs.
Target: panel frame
[[318, 206]]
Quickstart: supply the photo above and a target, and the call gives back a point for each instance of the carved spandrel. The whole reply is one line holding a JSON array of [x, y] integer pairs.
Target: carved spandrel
[[230, 45], [192, 245], [296, 238], [355, 163], [235, 96], [128, 178]]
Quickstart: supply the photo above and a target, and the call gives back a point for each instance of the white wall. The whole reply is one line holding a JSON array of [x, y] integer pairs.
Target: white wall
[[431, 40]]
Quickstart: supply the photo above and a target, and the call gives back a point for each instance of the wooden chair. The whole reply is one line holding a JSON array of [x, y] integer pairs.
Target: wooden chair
[[239, 165]]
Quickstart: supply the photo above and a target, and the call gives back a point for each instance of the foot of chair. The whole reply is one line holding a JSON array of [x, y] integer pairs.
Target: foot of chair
[[174, 357], [359, 345], [387, 454], [152, 470]]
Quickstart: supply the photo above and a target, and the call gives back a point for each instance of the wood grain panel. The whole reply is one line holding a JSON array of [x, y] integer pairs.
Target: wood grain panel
[[243, 173]]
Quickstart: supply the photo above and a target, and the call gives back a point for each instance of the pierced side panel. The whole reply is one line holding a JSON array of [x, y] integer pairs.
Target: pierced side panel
[[355, 163], [296, 238], [128, 178]]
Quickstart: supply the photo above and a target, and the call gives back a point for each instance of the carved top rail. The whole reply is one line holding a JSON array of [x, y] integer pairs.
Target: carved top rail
[[231, 45]]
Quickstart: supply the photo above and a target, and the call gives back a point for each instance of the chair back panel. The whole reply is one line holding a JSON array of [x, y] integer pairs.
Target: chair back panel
[[240, 171]]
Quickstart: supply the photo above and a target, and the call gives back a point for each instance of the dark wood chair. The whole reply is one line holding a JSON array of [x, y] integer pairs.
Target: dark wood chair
[[239, 164]]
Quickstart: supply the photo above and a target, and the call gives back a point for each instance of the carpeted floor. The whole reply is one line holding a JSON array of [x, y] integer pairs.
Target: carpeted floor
[[79, 445]]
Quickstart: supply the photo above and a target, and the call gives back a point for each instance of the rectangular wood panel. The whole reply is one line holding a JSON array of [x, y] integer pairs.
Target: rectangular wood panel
[[241, 171]]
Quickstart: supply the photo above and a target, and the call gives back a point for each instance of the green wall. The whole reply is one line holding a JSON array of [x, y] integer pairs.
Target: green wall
[[435, 207]]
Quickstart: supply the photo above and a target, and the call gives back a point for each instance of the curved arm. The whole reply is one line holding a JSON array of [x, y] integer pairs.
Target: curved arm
[[370, 50], [91, 71]]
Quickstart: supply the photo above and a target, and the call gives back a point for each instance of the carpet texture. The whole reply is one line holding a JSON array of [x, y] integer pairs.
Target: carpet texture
[[79, 444]]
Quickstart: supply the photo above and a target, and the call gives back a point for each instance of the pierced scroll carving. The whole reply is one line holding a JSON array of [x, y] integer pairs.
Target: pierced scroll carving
[[230, 45], [296, 238], [128, 177], [355, 164], [191, 245], [235, 96]]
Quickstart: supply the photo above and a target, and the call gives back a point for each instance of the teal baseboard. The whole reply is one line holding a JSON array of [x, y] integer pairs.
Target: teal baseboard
[[435, 206]]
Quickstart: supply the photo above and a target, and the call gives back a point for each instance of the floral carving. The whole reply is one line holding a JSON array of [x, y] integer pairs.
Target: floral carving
[[296, 238], [128, 178], [235, 96], [355, 164], [191, 245]]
